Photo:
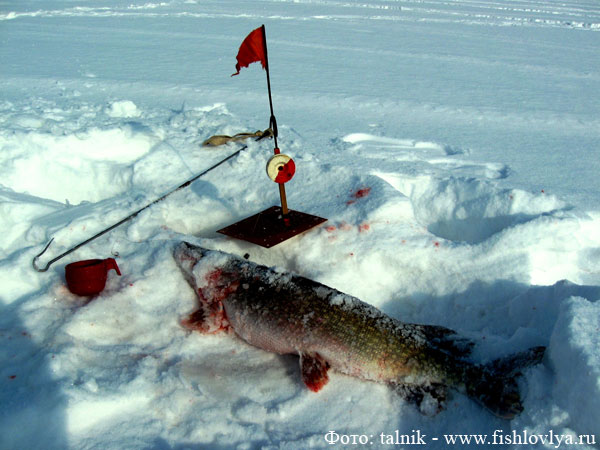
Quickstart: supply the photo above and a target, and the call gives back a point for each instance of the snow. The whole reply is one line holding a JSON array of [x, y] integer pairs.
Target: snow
[[574, 339], [452, 146]]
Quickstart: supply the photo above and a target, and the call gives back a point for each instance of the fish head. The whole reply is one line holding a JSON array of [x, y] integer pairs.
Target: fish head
[[204, 270], [201, 266]]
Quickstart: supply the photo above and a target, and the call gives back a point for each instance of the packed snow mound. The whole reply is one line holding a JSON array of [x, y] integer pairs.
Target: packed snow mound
[[450, 204], [109, 152], [122, 108], [38, 164], [574, 356], [41, 149], [471, 210]]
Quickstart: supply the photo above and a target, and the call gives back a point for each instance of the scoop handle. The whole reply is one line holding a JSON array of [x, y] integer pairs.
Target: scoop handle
[[110, 263]]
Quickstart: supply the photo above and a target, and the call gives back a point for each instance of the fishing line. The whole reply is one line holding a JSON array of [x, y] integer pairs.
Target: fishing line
[[178, 155]]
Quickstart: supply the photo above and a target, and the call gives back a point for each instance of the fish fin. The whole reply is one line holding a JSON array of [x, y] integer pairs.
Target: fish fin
[[448, 340], [495, 385], [208, 319], [512, 365], [429, 398], [314, 369]]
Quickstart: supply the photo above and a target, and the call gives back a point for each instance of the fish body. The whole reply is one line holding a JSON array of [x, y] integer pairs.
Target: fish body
[[289, 314]]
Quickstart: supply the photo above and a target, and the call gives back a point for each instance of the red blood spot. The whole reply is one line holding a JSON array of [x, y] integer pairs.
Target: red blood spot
[[330, 228], [12, 377], [363, 227], [543, 191], [345, 226], [362, 192], [437, 244], [351, 254]]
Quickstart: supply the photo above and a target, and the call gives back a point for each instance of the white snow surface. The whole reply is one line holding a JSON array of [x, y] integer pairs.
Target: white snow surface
[[452, 146]]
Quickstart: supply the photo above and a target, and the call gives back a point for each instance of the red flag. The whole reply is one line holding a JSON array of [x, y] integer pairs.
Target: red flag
[[251, 50]]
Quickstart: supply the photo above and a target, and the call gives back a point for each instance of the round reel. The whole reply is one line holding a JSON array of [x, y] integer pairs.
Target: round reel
[[281, 168]]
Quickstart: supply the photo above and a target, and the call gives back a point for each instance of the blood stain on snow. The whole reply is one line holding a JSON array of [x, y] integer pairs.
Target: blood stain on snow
[[362, 192], [345, 226], [12, 377]]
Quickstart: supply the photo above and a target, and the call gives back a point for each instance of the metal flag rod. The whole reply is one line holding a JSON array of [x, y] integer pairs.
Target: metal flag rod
[[129, 217], [273, 122]]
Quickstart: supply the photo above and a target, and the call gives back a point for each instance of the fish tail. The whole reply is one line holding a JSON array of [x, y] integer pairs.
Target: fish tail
[[495, 386]]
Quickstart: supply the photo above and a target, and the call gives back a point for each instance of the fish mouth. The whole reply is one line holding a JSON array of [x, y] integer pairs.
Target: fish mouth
[[186, 256], [186, 251]]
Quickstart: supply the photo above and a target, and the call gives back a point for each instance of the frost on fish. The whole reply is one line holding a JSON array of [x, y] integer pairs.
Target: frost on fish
[[289, 314]]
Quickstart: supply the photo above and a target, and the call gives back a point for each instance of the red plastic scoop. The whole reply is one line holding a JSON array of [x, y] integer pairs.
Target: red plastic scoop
[[88, 277]]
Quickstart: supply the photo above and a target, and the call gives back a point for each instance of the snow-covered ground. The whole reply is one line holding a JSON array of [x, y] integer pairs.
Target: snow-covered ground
[[452, 145]]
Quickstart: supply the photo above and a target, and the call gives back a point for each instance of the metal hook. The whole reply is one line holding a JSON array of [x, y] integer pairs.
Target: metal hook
[[62, 255], [34, 262]]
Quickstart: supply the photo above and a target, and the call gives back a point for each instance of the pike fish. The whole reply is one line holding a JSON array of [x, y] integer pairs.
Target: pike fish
[[289, 314]]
